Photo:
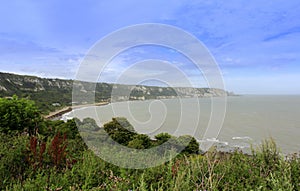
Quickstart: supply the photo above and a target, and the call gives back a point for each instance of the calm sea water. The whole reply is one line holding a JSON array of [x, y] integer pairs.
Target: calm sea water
[[248, 119]]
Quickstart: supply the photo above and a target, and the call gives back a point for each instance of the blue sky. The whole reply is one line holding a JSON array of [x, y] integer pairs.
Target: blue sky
[[255, 43]]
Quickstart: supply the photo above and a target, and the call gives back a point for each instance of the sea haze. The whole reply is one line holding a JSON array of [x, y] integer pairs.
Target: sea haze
[[248, 119]]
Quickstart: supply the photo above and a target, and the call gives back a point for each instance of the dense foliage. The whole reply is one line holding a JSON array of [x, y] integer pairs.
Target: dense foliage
[[18, 115], [121, 131], [56, 158]]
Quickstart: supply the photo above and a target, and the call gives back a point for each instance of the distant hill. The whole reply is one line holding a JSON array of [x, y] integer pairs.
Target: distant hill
[[51, 94]]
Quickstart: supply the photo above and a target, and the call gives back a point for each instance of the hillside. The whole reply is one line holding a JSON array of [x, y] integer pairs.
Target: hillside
[[52, 94]]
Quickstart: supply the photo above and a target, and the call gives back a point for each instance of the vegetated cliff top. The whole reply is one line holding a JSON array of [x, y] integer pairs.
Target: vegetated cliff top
[[59, 91], [13, 84]]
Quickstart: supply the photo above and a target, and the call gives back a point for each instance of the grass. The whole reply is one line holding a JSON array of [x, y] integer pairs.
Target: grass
[[265, 169]]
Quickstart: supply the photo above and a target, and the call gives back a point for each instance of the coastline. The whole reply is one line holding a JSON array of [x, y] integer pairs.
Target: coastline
[[59, 113], [237, 131]]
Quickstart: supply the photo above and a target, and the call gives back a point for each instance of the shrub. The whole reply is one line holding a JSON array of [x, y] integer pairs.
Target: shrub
[[120, 130], [18, 115], [13, 164], [140, 141]]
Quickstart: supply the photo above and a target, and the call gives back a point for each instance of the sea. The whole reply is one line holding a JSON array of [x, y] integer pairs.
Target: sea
[[243, 121]]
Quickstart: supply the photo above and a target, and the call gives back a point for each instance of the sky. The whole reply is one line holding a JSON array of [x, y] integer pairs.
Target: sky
[[256, 44]]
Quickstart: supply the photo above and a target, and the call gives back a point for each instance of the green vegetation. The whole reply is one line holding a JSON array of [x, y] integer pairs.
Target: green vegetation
[[48, 94], [18, 115], [56, 158], [53, 94]]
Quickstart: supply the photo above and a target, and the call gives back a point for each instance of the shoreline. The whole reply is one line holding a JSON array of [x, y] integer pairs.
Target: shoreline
[[59, 113]]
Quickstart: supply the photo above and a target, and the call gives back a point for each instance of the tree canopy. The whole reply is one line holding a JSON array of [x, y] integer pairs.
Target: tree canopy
[[120, 130], [18, 115]]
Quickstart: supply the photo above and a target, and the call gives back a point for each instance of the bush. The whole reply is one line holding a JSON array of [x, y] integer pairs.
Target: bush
[[13, 163], [18, 115], [120, 130], [140, 141]]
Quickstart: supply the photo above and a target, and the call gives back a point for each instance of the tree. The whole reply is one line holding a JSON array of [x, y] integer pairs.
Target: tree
[[120, 130], [166, 142], [192, 146], [18, 115], [162, 137], [140, 141], [88, 124], [185, 144]]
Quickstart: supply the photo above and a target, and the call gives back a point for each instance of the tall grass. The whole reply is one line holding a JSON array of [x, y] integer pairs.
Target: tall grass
[[265, 169]]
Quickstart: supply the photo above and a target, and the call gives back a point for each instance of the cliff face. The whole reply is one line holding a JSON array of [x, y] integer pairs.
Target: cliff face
[[11, 83], [60, 91]]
